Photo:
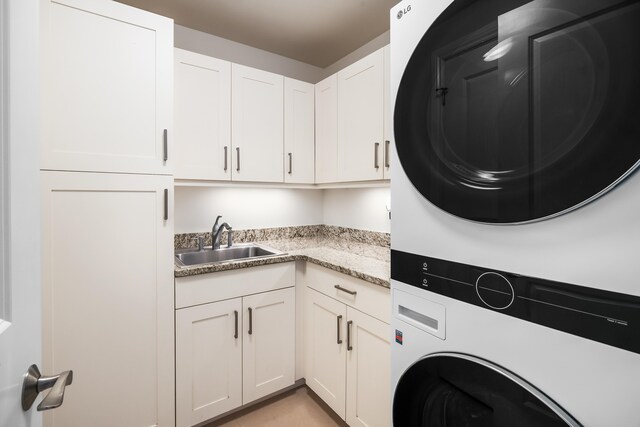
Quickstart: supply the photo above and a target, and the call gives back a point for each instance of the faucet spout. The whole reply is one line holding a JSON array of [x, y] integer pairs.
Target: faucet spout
[[216, 231]]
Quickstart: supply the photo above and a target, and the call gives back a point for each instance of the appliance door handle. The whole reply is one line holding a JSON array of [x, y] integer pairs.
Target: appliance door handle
[[338, 322], [250, 321], [349, 324]]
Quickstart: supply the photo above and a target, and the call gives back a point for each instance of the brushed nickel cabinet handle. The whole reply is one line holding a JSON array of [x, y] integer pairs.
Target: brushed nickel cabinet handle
[[237, 159], [349, 324], [338, 322], [165, 144], [166, 204], [375, 155], [290, 163], [250, 321], [340, 288], [387, 163], [235, 313], [226, 157]]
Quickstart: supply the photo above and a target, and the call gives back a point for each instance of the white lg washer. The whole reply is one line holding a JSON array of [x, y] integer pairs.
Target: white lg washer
[[514, 230]]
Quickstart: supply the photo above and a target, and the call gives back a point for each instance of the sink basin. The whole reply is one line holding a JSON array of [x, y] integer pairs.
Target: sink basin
[[190, 257]]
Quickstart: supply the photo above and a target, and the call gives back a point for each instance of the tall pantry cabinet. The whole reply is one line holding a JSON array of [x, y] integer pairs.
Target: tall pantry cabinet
[[107, 217]]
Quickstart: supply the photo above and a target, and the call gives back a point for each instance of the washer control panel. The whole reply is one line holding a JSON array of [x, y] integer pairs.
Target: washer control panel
[[607, 317]]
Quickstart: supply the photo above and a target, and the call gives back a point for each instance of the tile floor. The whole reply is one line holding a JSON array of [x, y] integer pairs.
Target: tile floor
[[299, 407]]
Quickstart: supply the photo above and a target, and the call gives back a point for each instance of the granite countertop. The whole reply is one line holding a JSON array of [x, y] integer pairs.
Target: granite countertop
[[363, 256]]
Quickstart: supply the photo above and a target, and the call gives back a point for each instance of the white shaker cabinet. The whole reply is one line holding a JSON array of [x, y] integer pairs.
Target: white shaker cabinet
[[327, 130], [208, 360], [360, 119], [347, 346], [107, 293], [107, 88], [202, 92], [257, 126], [299, 132]]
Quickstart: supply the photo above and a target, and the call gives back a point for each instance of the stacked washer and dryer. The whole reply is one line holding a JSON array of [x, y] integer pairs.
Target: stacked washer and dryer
[[515, 260]]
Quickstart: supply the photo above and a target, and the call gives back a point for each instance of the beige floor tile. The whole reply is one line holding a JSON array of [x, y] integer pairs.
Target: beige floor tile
[[299, 407]]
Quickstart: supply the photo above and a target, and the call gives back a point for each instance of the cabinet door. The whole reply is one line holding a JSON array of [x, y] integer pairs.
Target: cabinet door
[[202, 117], [269, 343], [388, 114], [257, 125], [327, 130], [107, 287], [208, 361], [325, 349], [360, 119], [299, 132], [107, 87], [368, 371]]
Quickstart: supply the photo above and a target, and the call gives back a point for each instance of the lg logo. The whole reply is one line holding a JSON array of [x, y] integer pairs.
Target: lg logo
[[404, 11]]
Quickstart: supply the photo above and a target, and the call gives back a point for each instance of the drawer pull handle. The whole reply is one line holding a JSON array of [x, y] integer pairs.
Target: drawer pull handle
[[340, 288], [349, 324], [338, 321]]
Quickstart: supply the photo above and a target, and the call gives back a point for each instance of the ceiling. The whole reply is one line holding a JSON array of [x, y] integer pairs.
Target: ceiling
[[317, 32]]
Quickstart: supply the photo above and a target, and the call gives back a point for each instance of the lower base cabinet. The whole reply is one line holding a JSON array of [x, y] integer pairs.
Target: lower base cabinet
[[348, 360], [232, 352]]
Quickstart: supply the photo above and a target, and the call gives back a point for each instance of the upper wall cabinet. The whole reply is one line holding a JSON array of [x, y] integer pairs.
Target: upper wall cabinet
[[360, 119], [327, 130], [257, 125], [202, 91], [107, 87], [299, 132], [388, 113]]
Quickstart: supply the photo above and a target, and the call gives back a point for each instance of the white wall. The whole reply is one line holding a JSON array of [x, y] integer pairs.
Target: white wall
[[196, 208], [207, 44], [361, 208]]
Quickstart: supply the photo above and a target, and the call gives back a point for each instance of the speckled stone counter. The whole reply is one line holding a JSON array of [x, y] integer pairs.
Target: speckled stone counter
[[361, 254]]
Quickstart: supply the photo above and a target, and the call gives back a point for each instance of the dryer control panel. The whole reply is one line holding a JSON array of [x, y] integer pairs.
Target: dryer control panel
[[607, 317]]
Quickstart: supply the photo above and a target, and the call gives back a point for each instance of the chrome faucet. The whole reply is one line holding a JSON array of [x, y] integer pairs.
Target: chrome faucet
[[216, 231]]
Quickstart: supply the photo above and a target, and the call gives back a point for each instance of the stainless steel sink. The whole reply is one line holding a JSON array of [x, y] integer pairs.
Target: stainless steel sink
[[188, 257]]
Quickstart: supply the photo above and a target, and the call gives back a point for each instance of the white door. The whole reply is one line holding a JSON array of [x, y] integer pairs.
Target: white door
[[202, 116], [269, 343], [368, 371], [257, 125], [327, 130], [208, 361], [19, 208], [299, 132], [360, 119], [326, 346]]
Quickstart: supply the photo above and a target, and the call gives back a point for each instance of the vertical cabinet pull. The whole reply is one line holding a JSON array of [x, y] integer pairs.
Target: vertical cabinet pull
[[349, 347], [387, 162], [235, 313], [165, 143], [338, 321], [237, 159], [166, 204], [290, 163], [226, 158], [375, 155], [250, 321]]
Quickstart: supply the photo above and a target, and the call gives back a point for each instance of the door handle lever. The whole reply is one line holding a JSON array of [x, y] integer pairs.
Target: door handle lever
[[34, 383]]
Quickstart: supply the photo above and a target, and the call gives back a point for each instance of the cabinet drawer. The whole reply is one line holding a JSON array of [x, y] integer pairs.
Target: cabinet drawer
[[369, 298], [205, 288]]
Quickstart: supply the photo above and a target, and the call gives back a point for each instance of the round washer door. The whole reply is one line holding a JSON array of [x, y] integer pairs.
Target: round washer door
[[450, 389], [512, 111]]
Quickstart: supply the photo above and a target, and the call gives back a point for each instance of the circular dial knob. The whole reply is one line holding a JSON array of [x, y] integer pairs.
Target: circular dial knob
[[495, 290]]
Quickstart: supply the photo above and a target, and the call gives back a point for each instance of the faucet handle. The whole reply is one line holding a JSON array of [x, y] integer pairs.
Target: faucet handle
[[200, 241]]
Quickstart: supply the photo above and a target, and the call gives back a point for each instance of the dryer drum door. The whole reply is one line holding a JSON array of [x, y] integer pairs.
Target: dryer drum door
[[455, 390], [512, 111]]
